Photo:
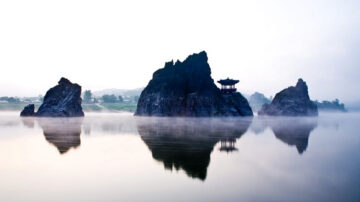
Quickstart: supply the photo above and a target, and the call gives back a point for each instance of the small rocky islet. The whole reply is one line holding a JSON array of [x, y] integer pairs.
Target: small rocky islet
[[292, 101], [63, 100]]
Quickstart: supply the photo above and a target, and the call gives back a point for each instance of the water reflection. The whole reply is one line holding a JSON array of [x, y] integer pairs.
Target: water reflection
[[116, 125], [179, 143], [187, 143], [64, 134], [129, 153], [294, 132], [28, 121], [290, 130]]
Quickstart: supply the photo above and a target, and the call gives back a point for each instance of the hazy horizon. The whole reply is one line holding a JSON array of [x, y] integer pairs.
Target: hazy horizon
[[267, 45]]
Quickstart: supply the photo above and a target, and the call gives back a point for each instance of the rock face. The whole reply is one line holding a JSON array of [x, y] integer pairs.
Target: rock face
[[29, 110], [292, 101], [63, 100], [187, 89]]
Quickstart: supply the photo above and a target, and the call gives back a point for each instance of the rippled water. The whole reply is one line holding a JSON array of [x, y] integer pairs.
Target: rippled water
[[118, 157]]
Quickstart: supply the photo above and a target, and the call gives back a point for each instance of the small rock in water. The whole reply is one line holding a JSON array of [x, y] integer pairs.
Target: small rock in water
[[29, 110], [63, 100]]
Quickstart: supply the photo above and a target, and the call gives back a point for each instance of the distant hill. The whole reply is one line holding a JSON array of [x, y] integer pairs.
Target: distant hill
[[117, 92], [256, 100]]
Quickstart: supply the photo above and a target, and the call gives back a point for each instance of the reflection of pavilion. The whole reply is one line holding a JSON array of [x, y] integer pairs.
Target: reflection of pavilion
[[228, 145], [186, 143]]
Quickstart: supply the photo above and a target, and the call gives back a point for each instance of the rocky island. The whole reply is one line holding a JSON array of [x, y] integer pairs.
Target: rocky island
[[63, 100], [292, 101], [186, 89]]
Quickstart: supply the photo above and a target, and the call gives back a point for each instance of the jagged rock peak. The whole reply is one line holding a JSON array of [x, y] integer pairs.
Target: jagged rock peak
[[65, 81], [292, 101], [197, 59], [187, 89], [62, 100], [301, 85]]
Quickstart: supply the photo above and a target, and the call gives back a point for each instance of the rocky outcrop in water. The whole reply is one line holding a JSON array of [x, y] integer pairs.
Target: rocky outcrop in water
[[29, 110], [63, 100], [187, 89], [292, 101]]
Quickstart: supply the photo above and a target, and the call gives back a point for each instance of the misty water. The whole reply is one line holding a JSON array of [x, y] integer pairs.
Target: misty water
[[119, 157]]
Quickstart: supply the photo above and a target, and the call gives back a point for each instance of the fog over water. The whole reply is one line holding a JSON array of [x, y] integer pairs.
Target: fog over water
[[105, 156]]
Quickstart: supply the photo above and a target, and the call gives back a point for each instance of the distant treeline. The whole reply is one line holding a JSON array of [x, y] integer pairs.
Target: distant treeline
[[88, 97], [10, 99], [331, 105]]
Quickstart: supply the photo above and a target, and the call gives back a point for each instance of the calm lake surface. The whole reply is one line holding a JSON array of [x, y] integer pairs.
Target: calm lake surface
[[119, 157]]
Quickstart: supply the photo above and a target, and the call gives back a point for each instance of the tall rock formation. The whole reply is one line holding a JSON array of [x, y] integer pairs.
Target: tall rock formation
[[292, 101], [63, 100], [187, 89]]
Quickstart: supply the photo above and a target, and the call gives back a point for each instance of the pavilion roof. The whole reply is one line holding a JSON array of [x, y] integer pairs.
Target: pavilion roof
[[228, 81]]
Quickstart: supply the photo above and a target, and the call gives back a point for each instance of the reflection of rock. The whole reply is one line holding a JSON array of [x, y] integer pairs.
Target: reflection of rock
[[64, 134], [258, 125], [187, 143], [28, 121], [294, 131]]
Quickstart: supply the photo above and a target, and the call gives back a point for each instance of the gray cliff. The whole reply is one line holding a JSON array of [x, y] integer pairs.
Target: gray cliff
[[187, 89]]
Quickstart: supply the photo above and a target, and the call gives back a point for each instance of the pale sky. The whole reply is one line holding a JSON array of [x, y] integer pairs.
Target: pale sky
[[267, 45]]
